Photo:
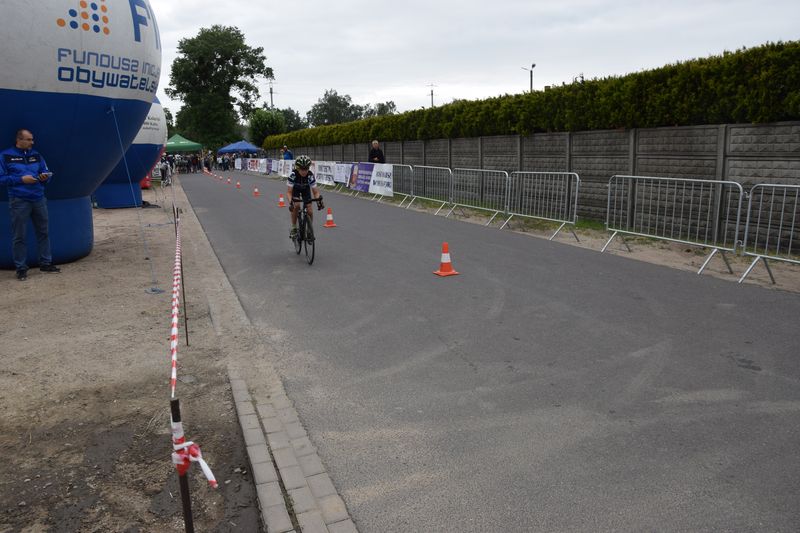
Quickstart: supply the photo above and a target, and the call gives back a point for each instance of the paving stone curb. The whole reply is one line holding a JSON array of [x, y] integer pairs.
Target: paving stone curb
[[294, 490], [263, 407]]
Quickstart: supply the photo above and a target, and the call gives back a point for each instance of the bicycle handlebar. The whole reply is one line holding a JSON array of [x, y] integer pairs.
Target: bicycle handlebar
[[298, 199]]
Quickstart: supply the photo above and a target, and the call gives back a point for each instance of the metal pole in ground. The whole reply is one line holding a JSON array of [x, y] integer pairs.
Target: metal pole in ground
[[178, 212], [183, 478]]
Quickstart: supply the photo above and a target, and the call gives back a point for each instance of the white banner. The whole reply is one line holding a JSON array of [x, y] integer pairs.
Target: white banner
[[286, 166], [325, 172], [273, 166], [342, 172], [262, 166], [252, 165], [237, 163], [382, 181]]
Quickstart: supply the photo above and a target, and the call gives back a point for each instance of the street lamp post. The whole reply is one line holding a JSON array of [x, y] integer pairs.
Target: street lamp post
[[533, 66]]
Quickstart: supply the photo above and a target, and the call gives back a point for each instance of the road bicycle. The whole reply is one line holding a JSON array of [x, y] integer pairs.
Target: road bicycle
[[304, 238]]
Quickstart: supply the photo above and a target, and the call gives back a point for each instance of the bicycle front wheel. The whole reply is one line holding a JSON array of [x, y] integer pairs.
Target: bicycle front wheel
[[298, 238], [308, 242]]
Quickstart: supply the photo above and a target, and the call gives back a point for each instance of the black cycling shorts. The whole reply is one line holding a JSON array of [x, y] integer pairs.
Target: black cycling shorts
[[302, 192]]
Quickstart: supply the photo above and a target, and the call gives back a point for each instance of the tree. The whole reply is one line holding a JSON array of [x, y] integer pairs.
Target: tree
[[380, 109], [334, 109], [293, 120], [215, 72], [210, 121], [265, 122], [170, 122]]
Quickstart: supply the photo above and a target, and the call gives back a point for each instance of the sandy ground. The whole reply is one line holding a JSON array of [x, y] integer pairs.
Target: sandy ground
[[84, 380], [84, 389]]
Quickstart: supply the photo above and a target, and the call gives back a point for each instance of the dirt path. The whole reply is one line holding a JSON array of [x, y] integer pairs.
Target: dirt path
[[84, 389]]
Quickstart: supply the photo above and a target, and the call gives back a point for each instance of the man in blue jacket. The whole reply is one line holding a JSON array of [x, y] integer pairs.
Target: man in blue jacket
[[287, 154], [24, 171]]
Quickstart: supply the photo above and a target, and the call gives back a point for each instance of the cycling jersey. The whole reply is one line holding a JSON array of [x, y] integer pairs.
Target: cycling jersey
[[300, 183], [301, 186]]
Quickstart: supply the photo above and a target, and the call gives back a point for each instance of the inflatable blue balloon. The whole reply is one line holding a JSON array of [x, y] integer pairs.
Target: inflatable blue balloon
[[121, 187], [81, 75]]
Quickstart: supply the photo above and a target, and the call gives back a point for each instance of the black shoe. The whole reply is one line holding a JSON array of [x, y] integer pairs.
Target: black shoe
[[22, 275], [49, 268]]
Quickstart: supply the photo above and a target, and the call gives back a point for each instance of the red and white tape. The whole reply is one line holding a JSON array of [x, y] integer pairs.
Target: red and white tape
[[176, 293], [184, 452], [187, 452]]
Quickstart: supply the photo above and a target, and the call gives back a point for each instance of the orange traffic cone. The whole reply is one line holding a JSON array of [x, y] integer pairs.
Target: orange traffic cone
[[329, 223], [445, 268], [238, 185], [256, 194], [280, 201], [229, 181]]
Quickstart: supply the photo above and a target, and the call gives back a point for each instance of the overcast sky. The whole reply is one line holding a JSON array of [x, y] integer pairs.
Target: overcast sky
[[378, 51]]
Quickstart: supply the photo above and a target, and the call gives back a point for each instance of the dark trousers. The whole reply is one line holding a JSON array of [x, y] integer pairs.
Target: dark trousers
[[21, 212]]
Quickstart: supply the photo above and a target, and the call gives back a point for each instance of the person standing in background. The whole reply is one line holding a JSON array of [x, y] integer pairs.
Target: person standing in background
[[376, 154], [24, 171]]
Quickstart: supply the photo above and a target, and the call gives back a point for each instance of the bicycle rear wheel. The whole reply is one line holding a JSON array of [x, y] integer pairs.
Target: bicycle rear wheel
[[298, 238], [308, 242]]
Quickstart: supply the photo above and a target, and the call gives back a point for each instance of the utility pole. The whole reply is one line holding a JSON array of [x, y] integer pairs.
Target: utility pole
[[432, 86], [271, 104], [533, 66]]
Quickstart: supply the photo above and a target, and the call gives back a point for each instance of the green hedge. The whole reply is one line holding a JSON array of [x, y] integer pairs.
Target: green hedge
[[753, 85]]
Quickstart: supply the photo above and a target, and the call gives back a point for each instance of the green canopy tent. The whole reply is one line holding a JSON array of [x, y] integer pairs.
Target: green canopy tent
[[176, 143]]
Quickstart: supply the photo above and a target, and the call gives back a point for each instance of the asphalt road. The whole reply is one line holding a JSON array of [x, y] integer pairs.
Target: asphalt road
[[546, 388]]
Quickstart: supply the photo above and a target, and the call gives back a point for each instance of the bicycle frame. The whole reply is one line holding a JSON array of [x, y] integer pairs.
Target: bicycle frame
[[305, 233]]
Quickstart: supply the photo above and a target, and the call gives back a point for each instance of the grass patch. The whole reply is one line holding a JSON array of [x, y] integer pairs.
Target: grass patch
[[427, 204], [596, 225]]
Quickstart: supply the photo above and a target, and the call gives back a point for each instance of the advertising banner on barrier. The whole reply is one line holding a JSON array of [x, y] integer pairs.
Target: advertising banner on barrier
[[382, 180], [361, 177], [342, 172], [237, 164], [324, 172], [262, 166], [252, 165], [288, 167], [273, 166]]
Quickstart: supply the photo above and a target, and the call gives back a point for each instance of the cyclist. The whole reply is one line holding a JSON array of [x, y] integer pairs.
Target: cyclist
[[302, 184]]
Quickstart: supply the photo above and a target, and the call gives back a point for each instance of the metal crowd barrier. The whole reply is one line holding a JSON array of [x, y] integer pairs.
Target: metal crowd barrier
[[689, 211], [480, 189], [549, 196], [771, 231], [403, 181], [434, 184]]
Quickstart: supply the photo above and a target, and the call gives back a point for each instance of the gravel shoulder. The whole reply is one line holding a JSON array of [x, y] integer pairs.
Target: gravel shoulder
[[84, 385]]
